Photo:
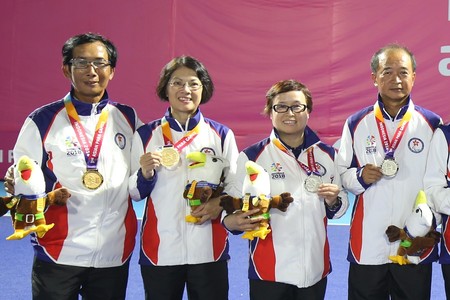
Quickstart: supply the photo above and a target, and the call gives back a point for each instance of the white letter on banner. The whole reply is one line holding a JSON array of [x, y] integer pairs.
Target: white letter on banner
[[10, 156], [444, 63]]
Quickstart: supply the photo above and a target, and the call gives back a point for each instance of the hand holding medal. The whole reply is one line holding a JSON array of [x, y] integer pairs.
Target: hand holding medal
[[371, 173]]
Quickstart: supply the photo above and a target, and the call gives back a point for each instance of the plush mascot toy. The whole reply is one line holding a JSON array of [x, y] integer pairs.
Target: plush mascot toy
[[205, 173], [417, 235], [256, 194], [28, 204]]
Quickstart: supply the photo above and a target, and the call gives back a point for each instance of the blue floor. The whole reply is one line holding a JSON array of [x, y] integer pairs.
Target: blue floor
[[17, 259]]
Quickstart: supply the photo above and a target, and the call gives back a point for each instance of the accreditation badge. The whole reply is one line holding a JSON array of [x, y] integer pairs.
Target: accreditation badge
[[170, 157], [389, 167], [312, 183], [92, 179]]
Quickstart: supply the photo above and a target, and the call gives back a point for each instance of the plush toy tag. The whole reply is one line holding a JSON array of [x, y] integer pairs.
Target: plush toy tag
[[40, 204], [191, 191], [246, 202]]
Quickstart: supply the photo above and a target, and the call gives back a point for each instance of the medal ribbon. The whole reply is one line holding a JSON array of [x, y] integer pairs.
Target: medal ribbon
[[184, 141], [310, 168], [390, 146], [91, 152]]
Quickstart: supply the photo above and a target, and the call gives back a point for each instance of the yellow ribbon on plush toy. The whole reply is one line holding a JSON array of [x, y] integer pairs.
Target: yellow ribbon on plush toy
[[190, 194]]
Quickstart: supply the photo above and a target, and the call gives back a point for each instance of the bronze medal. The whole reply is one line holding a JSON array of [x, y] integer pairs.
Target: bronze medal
[[389, 167], [170, 156], [92, 179], [312, 183]]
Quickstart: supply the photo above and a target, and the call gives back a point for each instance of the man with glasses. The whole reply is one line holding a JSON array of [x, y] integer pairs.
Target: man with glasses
[[83, 142], [293, 261]]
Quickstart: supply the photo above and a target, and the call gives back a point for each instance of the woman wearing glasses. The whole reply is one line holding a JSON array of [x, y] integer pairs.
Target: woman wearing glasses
[[174, 252], [292, 262]]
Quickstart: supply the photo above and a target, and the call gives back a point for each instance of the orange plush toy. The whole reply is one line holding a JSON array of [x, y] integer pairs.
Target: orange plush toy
[[256, 194], [30, 200], [205, 173]]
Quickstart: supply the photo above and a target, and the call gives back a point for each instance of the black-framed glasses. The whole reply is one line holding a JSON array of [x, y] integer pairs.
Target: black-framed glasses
[[192, 85], [282, 108], [82, 63]]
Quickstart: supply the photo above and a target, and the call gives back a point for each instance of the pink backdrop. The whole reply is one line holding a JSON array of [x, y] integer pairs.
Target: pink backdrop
[[247, 45]]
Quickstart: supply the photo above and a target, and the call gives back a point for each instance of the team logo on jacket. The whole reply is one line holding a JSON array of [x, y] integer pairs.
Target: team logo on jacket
[[277, 171], [120, 140], [72, 146], [208, 150], [321, 169], [371, 146], [415, 145]]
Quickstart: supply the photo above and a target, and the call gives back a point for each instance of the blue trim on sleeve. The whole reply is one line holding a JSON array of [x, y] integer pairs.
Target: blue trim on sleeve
[[219, 128], [255, 150], [331, 212], [128, 112], [433, 119], [146, 131], [43, 117], [234, 232], [353, 120], [146, 186], [360, 179]]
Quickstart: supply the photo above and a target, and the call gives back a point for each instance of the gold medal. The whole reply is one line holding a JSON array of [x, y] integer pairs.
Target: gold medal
[[170, 156], [92, 179]]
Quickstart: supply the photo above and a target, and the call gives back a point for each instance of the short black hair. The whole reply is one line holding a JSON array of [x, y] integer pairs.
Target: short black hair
[[86, 38], [375, 61], [191, 63], [285, 86]]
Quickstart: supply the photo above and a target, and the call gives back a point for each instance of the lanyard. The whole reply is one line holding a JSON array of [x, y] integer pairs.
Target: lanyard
[[184, 141], [390, 146], [91, 152], [310, 168]]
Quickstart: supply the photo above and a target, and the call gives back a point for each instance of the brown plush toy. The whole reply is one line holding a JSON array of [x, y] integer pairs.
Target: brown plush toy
[[417, 236], [280, 202], [30, 200], [204, 179], [3, 208], [256, 191]]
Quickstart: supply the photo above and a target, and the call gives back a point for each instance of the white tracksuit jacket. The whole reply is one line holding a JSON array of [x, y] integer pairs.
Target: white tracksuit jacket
[[296, 251], [436, 181], [390, 200], [166, 238], [96, 228]]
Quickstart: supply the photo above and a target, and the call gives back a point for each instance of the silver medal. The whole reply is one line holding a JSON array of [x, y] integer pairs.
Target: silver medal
[[312, 183], [389, 167]]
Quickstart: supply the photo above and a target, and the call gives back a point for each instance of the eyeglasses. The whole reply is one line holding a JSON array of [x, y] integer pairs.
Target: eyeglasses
[[282, 108], [192, 85], [82, 63]]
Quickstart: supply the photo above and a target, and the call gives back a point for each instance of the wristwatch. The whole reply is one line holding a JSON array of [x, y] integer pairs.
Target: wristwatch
[[335, 206]]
